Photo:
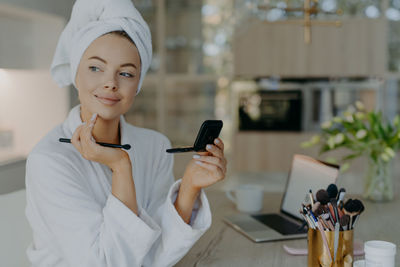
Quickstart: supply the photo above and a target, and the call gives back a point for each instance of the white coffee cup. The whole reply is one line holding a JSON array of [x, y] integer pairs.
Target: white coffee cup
[[379, 253], [248, 197]]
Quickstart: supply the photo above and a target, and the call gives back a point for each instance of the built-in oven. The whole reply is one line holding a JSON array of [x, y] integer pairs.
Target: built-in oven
[[301, 104], [271, 110]]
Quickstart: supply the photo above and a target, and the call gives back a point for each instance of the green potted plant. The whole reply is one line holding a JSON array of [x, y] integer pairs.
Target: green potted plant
[[368, 134]]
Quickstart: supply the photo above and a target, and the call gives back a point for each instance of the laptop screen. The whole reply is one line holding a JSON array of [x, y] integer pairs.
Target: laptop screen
[[306, 173]]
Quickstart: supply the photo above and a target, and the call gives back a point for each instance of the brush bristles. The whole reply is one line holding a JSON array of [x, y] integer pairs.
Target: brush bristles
[[322, 197], [344, 220], [317, 209], [358, 205], [330, 210], [332, 191], [348, 206]]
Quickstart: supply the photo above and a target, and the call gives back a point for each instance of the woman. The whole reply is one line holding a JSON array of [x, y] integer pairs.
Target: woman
[[90, 205]]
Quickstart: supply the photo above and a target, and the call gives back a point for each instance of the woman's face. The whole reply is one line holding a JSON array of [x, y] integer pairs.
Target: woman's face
[[108, 75]]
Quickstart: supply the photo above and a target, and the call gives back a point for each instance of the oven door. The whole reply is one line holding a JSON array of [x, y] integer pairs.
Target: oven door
[[271, 111]]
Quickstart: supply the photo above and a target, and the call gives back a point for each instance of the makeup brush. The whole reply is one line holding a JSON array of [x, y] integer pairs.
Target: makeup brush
[[332, 212], [305, 221], [359, 207], [321, 230], [335, 208], [328, 214], [351, 209], [344, 222], [336, 240], [126, 146], [310, 195], [348, 205], [340, 196], [303, 212], [337, 225], [324, 223], [318, 212], [322, 196], [308, 199], [327, 220], [332, 191], [317, 209], [306, 213]]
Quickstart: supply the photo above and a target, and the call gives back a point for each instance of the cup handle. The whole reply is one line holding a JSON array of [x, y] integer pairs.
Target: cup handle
[[230, 196]]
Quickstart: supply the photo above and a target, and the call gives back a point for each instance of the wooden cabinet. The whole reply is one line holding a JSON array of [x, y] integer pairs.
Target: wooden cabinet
[[356, 48]]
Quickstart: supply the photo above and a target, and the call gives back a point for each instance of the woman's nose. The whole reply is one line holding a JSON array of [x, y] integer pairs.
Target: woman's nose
[[111, 83], [110, 86]]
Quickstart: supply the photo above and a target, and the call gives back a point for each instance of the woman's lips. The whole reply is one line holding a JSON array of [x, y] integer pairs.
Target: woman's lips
[[107, 101]]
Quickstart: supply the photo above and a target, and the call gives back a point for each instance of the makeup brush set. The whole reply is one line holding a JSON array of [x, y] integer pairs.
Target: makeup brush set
[[329, 208], [332, 216]]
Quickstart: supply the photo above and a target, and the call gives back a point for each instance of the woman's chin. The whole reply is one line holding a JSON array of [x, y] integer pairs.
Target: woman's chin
[[108, 115], [107, 112]]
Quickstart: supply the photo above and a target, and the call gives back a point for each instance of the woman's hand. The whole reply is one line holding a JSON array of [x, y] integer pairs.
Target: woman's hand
[[84, 142], [206, 168]]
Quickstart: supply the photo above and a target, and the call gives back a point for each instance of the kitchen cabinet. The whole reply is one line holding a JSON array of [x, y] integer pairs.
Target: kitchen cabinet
[[357, 48]]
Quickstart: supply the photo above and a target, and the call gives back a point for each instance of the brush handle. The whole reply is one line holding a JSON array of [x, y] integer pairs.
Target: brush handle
[[355, 220], [325, 241], [336, 240], [332, 212], [335, 210], [351, 222], [126, 146]]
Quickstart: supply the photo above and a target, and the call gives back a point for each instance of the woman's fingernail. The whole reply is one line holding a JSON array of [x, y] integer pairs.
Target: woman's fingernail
[[217, 141], [198, 162], [209, 147], [196, 156], [91, 138], [93, 117]]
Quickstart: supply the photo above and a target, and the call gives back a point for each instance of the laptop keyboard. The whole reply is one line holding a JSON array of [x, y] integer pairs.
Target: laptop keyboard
[[280, 224]]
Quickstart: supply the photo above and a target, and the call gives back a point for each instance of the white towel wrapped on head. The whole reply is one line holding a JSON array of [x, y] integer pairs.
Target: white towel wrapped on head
[[91, 19]]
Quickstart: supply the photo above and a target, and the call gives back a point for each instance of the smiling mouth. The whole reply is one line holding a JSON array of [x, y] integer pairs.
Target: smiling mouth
[[107, 101]]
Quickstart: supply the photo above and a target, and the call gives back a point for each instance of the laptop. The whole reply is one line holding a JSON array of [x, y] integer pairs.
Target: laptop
[[305, 173]]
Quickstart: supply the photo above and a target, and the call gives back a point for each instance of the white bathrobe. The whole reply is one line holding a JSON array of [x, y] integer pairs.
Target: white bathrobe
[[77, 221]]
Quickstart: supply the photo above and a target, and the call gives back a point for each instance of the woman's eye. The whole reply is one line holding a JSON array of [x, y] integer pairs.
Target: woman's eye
[[93, 68], [126, 74]]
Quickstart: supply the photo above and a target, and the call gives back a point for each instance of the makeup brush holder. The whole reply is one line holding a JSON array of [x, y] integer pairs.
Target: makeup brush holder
[[318, 254]]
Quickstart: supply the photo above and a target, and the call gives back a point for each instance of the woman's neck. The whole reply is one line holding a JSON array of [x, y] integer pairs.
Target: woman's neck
[[106, 131]]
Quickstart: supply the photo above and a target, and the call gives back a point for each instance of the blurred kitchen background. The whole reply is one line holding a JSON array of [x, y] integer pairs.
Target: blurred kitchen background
[[272, 70]]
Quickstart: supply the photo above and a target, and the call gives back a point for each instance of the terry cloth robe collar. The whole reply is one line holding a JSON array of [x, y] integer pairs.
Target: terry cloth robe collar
[[74, 120]]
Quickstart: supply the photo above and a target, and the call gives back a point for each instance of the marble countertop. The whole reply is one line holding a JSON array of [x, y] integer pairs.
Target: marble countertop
[[222, 246]]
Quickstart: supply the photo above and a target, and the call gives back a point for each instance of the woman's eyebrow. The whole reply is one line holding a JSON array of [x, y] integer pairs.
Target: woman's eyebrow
[[123, 65]]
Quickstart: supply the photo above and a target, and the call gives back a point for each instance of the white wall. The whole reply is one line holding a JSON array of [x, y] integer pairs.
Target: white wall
[[31, 104], [62, 8], [27, 38]]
